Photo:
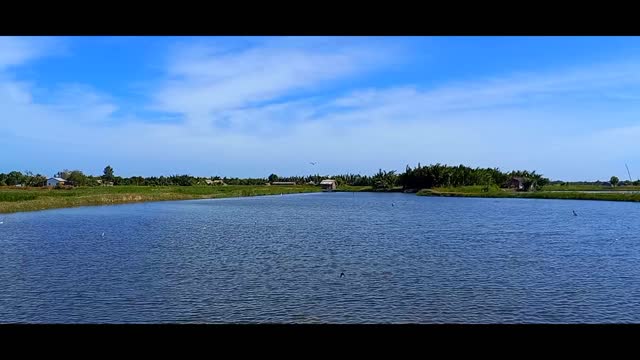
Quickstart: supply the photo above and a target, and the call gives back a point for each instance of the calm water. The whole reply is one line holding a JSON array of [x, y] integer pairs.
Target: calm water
[[278, 259]]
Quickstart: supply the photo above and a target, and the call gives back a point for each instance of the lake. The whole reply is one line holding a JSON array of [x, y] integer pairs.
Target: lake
[[278, 259]]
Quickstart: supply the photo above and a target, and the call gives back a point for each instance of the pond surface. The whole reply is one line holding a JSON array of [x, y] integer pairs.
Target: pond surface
[[278, 259]]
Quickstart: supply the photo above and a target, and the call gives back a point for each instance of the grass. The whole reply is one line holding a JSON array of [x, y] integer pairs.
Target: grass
[[494, 192], [589, 188], [31, 199], [14, 199]]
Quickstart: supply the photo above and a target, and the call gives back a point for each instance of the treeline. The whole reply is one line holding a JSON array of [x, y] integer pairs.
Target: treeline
[[597, 183], [425, 177], [345, 179], [419, 177], [18, 178]]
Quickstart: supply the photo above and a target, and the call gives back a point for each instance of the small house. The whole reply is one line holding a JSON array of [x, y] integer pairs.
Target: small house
[[517, 183], [328, 184], [214, 182], [104, 183], [56, 182]]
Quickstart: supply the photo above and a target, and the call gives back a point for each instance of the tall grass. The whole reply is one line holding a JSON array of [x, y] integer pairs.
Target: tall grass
[[568, 195], [12, 200]]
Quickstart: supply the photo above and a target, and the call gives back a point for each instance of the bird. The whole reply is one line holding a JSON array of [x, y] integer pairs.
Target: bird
[[312, 163], [342, 274], [574, 213], [393, 204], [102, 234]]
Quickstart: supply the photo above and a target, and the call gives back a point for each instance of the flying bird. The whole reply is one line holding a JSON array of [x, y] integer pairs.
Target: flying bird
[[313, 163]]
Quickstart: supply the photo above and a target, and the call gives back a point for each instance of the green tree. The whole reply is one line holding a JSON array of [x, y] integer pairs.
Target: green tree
[[15, 178], [64, 174], [385, 179], [77, 178], [107, 173], [614, 180], [273, 177], [34, 180]]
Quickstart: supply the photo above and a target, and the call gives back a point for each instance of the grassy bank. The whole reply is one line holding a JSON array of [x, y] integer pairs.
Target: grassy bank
[[589, 188], [494, 192], [30, 199]]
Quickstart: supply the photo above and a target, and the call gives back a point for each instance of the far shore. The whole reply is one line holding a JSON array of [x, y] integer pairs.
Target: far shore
[[14, 200], [631, 195]]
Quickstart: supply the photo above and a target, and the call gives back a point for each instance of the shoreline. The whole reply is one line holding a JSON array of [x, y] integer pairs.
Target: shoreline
[[28, 200], [42, 199], [549, 195]]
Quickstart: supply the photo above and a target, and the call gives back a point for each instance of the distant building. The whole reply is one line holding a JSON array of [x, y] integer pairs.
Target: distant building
[[105, 183], [56, 182], [517, 183], [328, 184], [283, 183], [215, 182]]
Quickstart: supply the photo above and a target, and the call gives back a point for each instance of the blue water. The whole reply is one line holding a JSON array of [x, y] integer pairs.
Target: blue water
[[277, 259]]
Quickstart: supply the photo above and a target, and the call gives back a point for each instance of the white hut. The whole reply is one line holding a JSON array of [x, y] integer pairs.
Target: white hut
[[328, 184], [56, 181]]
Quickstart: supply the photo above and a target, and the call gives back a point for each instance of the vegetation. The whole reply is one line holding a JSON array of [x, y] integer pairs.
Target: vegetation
[[427, 177], [582, 187], [475, 191], [28, 199], [107, 174], [433, 180], [614, 180]]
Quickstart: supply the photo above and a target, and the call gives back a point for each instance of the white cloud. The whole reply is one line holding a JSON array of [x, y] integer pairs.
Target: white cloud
[[238, 120], [201, 82], [16, 51]]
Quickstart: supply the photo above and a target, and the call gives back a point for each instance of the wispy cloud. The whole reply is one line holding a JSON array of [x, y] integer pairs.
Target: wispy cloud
[[201, 81], [16, 51], [262, 106]]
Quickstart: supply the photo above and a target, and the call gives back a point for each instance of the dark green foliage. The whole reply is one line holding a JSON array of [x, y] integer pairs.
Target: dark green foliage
[[420, 177], [614, 180], [107, 174], [438, 175]]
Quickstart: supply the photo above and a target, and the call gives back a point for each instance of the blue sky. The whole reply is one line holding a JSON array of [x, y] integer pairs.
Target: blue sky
[[567, 107]]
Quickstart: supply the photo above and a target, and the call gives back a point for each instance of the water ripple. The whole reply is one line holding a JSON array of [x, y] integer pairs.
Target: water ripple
[[278, 260]]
